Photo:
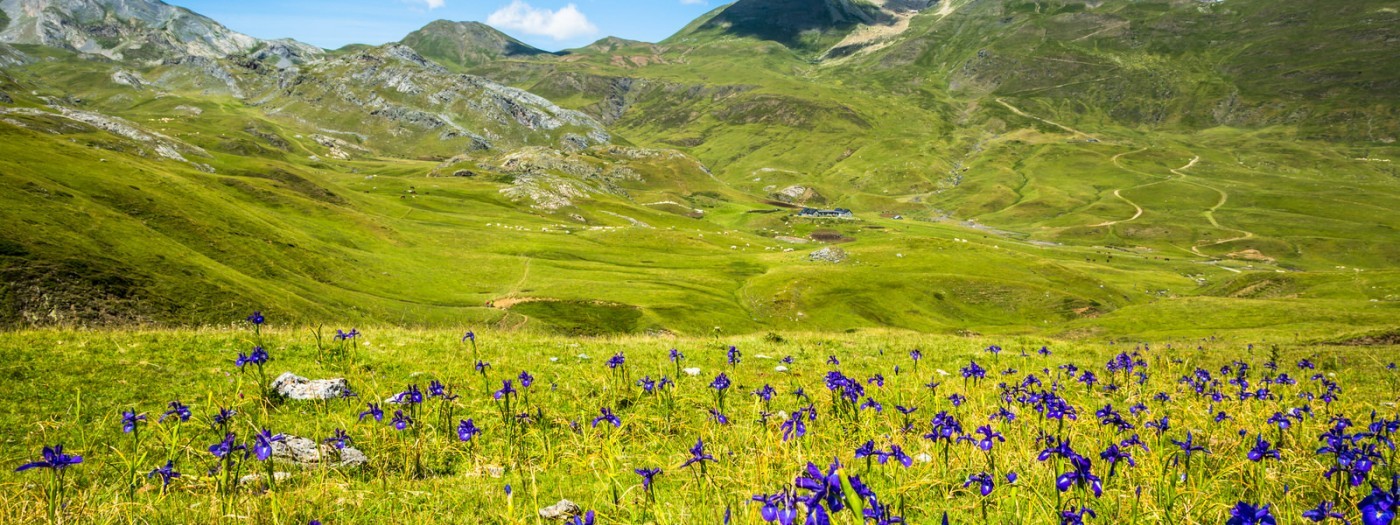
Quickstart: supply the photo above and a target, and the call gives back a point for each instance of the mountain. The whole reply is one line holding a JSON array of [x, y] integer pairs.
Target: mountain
[[466, 44], [1063, 167], [806, 25], [130, 29]]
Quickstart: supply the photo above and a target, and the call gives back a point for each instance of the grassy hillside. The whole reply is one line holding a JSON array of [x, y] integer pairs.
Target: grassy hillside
[[375, 185]]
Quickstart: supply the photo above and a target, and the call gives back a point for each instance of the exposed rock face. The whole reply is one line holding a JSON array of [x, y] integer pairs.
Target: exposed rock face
[[561, 511], [829, 254], [292, 386], [119, 28], [799, 195], [306, 453]]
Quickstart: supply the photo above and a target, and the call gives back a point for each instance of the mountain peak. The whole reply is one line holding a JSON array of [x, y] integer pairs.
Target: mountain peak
[[804, 24], [466, 44], [140, 29]]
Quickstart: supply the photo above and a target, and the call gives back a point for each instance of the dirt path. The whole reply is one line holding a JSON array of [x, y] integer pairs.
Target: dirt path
[[1210, 213], [1119, 192], [1018, 111]]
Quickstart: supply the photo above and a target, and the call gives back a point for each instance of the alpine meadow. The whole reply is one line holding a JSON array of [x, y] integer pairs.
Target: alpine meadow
[[802, 262]]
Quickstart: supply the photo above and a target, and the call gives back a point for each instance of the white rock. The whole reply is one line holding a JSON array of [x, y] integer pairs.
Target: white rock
[[306, 453], [942, 372], [780, 368], [293, 386], [691, 371], [923, 458]]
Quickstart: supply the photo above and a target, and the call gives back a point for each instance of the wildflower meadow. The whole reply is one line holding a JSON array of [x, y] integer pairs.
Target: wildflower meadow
[[436, 426]]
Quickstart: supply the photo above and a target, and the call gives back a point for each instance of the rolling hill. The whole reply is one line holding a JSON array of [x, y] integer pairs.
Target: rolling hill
[[1073, 168]]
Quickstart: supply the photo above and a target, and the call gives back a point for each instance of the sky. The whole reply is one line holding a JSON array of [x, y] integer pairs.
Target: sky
[[547, 24]]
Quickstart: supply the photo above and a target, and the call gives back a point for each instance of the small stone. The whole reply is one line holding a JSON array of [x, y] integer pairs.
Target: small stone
[[691, 371], [561, 511], [780, 368], [254, 478], [292, 386]]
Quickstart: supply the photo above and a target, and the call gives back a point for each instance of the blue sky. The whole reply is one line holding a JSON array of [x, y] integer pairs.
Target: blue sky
[[547, 24]]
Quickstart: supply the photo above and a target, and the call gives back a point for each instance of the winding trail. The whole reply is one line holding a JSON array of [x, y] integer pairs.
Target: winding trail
[[1119, 192], [1018, 111]]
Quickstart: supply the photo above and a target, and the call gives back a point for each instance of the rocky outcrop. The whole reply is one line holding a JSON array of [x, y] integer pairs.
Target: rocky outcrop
[[292, 386], [119, 28], [306, 453], [561, 511], [829, 254]]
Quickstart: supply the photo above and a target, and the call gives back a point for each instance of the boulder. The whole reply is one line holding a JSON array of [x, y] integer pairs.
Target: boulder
[[561, 511], [306, 453], [829, 254], [292, 386]]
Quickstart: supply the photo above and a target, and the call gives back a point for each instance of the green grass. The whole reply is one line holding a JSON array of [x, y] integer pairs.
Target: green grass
[[69, 387]]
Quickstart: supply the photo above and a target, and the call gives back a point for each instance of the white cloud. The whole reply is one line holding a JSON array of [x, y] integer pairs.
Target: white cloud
[[430, 4], [563, 24], [693, 2]]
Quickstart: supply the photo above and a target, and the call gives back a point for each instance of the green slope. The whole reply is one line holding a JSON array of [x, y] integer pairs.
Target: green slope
[[1016, 168]]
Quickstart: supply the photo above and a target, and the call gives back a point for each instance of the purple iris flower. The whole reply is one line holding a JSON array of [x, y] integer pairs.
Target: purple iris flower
[[617, 360], [698, 455], [647, 384], [466, 430], [507, 390], [585, 519], [374, 411], [721, 382], [412, 396], [401, 420], [178, 410], [766, 393], [1323, 512], [718, 417], [607, 415], [825, 489], [989, 438], [526, 379], [1073, 516], [53, 459], [1246, 514], [957, 399], [129, 420], [1114, 455], [339, 439], [916, 355], [648, 476], [872, 403], [1379, 507], [1189, 446], [226, 446], [832, 360], [166, 473], [257, 318], [867, 450], [896, 453], [224, 416], [262, 443], [984, 480], [1262, 449], [734, 355], [795, 426]]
